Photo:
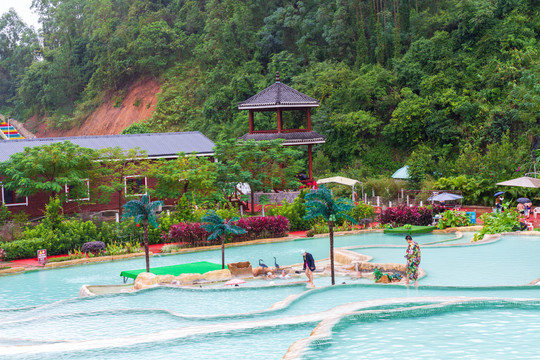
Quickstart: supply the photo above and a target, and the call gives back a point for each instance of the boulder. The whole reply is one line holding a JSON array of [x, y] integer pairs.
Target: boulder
[[218, 275], [384, 279], [165, 279], [241, 269], [259, 271], [188, 279], [145, 280]]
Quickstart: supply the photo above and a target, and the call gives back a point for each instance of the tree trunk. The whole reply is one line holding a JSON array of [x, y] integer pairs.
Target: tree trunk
[[146, 249], [222, 252], [331, 230], [120, 204], [252, 203]]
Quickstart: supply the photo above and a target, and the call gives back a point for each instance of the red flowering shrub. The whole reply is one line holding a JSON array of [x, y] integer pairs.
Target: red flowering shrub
[[258, 227], [191, 233], [404, 214], [261, 227]]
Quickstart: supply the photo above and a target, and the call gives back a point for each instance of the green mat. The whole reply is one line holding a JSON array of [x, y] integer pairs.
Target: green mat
[[192, 268], [415, 229]]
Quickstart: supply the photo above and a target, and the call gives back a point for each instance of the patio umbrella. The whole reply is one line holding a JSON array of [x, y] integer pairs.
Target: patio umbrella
[[498, 193], [445, 197], [524, 181], [523, 200], [402, 173]]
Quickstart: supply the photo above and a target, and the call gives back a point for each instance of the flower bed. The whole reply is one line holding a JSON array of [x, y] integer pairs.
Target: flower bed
[[257, 227]]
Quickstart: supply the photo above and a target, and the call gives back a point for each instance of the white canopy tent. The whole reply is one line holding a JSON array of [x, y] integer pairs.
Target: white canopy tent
[[344, 181]]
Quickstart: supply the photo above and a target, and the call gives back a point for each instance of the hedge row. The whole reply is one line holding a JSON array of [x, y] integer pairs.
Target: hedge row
[[71, 235], [257, 227], [403, 214]]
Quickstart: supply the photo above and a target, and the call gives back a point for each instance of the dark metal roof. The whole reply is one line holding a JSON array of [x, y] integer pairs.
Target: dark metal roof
[[291, 138], [161, 145], [276, 96]]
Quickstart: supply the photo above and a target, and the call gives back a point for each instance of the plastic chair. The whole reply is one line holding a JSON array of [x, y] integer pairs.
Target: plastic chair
[[536, 210], [530, 226]]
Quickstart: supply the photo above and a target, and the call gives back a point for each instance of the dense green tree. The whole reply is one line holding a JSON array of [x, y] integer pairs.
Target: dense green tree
[[120, 174], [18, 45], [48, 168], [189, 175], [264, 165]]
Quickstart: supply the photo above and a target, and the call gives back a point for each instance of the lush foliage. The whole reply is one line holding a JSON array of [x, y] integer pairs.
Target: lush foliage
[[498, 222], [393, 78], [453, 218], [295, 212], [403, 214], [262, 227], [257, 227], [264, 165], [189, 232], [362, 211], [47, 168], [322, 227]]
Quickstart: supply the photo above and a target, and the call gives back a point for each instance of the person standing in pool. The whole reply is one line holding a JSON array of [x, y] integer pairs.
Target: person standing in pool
[[309, 266], [413, 260]]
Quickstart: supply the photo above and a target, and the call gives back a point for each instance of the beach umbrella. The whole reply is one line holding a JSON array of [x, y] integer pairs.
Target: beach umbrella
[[445, 197], [524, 181], [498, 193], [523, 200]]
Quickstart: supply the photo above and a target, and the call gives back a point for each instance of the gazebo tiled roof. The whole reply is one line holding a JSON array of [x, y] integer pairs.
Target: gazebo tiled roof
[[276, 96], [291, 138]]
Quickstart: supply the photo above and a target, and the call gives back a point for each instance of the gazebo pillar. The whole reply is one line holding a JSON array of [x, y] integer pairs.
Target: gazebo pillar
[[251, 125], [308, 119], [310, 161], [279, 125]]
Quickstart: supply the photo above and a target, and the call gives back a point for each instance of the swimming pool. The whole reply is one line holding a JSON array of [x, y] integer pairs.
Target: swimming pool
[[42, 317]]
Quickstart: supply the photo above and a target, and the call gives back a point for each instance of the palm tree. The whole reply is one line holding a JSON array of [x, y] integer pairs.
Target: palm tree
[[321, 203], [143, 211], [220, 228]]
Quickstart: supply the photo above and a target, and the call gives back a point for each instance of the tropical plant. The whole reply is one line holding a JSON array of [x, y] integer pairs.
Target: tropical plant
[[220, 228], [321, 203], [295, 212], [143, 211], [498, 222], [453, 218]]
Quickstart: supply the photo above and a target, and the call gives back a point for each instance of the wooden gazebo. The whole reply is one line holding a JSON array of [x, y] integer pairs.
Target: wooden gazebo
[[279, 97]]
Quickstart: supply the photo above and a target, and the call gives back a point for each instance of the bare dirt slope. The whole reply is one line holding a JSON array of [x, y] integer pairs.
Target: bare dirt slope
[[107, 119]]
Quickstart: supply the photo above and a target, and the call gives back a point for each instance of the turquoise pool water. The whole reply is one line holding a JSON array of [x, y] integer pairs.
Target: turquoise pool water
[[492, 331], [512, 260], [42, 317]]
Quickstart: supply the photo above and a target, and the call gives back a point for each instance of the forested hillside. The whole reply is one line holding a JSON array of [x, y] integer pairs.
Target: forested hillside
[[449, 87]]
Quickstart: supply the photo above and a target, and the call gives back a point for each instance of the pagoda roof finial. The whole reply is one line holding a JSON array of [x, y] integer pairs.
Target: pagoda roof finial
[[277, 76]]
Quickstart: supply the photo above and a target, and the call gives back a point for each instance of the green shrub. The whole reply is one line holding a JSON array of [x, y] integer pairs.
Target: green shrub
[[228, 213], [362, 211], [321, 227], [453, 218], [169, 248], [294, 212], [5, 214], [496, 223]]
